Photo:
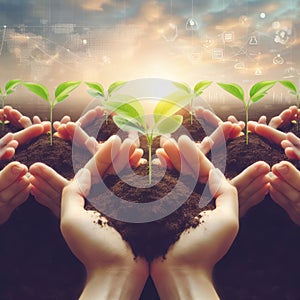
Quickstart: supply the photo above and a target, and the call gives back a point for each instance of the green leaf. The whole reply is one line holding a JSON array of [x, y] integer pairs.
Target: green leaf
[[64, 89], [233, 89], [201, 86], [11, 85], [0, 91], [171, 104], [260, 88], [290, 85], [115, 86], [38, 89], [96, 88], [183, 86], [127, 125], [94, 94], [168, 125]]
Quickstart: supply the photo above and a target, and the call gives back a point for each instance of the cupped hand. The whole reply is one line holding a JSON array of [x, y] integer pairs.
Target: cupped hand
[[47, 186], [186, 272], [186, 157], [252, 185], [285, 189], [113, 271], [14, 188], [8, 146], [291, 146]]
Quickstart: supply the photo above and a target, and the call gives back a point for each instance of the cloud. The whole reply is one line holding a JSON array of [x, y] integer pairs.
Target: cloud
[[95, 5]]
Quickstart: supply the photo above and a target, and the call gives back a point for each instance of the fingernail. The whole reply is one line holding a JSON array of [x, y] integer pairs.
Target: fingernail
[[17, 169], [283, 169]]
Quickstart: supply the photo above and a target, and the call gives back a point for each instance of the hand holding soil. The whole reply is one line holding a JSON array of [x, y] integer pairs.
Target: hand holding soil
[[187, 270], [284, 189], [112, 270], [14, 188]]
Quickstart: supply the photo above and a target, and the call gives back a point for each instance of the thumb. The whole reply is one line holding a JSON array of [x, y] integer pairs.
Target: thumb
[[73, 194]]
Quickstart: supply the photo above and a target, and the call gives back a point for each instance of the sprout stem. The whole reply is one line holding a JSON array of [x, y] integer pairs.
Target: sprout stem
[[150, 161], [51, 117], [246, 126]]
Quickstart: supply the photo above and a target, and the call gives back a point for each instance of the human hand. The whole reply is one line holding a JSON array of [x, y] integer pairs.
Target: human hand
[[284, 189], [47, 186], [112, 270], [186, 272], [8, 146], [186, 157], [284, 118], [14, 188], [252, 185], [66, 133], [291, 146], [20, 121]]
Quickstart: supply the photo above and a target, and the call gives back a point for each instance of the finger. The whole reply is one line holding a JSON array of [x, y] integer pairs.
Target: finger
[[262, 120], [53, 203], [252, 199], [288, 173], [77, 134], [25, 135], [205, 145], [25, 122], [62, 132], [173, 151], [11, 173], [221, 134], [208, 116], [293, 139], [47, 175], [194, 159], [289, 191], [73, 194], [136, 157], [36, 120], [244, 179], [65, 119], [252, 125], [90, 116], [14, 189], [121, 160], [164, 159], [275, 122], [224, 192], [12, 115], [7, 153], [101, 161], [270, 133], [6, 139]]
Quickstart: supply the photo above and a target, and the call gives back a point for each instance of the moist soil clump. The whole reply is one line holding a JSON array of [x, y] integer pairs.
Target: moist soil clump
[[153, 239]]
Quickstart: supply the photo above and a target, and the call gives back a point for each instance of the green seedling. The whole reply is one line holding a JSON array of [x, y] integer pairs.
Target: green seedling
[[130, 116], [61, 93], [257, 92], [9, 88], [97, 90], [293, 89], [196, 92]]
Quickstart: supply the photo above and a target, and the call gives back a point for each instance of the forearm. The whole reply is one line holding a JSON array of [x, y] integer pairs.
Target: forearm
[[185, 285], [114, 284]]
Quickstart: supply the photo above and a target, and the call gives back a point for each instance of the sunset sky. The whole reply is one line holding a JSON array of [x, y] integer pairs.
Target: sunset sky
[[109, 40]]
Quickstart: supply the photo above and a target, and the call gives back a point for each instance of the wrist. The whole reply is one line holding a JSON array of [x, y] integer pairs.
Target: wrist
[[184, 283], [116, 283]]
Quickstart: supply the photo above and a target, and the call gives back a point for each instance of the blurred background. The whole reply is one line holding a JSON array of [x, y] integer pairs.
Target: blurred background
[[110, 40]]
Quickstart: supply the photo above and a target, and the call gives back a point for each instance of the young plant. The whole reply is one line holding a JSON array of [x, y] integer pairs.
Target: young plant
[[196, 92], [130, 116], [293, 89], [96, 90], [257, 92], [61, 93], [9, 88]]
